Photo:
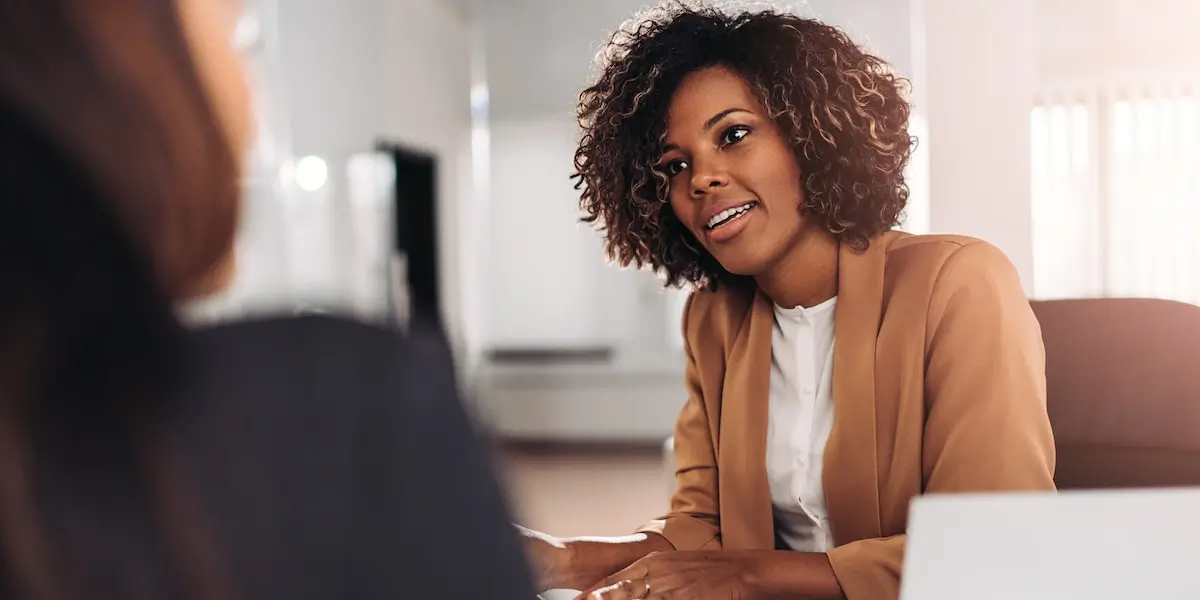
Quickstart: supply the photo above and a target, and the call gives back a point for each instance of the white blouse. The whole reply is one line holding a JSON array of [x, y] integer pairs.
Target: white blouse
[[800, 419]]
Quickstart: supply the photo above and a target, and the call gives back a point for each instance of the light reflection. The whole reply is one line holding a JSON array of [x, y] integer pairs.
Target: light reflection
[[311, 173]]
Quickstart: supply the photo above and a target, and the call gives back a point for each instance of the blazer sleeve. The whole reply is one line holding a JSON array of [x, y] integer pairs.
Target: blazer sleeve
[[986, 424], [693, 522]]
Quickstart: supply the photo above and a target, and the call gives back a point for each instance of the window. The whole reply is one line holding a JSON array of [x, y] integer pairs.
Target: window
[[1116, 200]]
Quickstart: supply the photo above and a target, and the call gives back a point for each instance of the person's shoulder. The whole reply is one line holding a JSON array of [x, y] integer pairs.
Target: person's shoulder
[[296, 349], [291, 337], [943, 274], [942, 259], [301, 332], [938, 248]]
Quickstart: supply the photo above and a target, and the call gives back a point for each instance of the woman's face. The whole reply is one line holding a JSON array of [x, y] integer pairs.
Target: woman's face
[[734, 180]]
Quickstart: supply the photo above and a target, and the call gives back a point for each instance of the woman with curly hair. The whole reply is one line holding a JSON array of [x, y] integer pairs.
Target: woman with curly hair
[[837, 368]]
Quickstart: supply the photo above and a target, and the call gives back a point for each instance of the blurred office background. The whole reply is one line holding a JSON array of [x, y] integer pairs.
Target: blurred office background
[[414, 160]]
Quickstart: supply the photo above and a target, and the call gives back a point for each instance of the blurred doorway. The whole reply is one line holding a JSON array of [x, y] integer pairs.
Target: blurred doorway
[[416, 239]]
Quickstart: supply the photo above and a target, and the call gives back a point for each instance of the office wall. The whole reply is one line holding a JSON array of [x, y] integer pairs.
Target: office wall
[[1081, 40], [427, 45], [355, 72], [547, 270], [975, 78]]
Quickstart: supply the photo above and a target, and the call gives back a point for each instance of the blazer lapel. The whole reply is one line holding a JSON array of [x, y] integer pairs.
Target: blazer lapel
[[747, 521], [851, 474]]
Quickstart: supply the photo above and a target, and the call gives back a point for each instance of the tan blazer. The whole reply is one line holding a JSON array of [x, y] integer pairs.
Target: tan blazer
[[938, 386]]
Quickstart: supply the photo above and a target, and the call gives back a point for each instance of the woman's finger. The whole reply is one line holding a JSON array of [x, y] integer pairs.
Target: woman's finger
[[602, 585], [624, 589], [630, 583]]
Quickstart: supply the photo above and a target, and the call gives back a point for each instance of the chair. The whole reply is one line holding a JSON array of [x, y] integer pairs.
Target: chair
[[1123, 391]]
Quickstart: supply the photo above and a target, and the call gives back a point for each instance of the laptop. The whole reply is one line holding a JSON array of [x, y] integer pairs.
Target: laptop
[[1093, 545]]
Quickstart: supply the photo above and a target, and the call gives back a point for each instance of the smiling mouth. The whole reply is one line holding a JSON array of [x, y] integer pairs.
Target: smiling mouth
[[728, 216]]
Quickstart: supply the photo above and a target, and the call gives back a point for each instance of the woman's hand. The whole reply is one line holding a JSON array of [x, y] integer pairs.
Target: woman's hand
[[575, 563], [549, 559], [702, 575]]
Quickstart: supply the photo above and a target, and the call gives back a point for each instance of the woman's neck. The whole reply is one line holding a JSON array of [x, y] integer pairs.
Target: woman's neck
[[807, 274]]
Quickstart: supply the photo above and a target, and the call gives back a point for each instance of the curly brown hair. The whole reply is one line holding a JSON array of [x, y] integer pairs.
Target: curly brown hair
[[844, 111]]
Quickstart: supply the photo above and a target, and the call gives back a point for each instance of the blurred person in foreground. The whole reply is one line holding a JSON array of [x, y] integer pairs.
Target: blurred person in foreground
[[836, 367], [291, 458]]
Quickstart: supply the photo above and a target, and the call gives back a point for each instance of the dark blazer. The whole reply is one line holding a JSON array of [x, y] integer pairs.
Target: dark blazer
[[330, 460]]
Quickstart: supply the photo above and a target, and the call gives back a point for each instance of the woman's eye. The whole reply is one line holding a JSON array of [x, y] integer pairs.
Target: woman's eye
[[734, 135], [674, 167]]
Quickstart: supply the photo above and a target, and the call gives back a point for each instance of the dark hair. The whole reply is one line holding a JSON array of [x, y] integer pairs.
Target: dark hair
[[120, 193], [843, 109]]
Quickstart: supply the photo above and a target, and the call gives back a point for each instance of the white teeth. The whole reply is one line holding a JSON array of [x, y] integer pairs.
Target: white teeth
[[728, 214]]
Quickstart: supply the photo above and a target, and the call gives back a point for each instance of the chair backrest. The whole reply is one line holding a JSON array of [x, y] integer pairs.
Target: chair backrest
[[1123, 391]]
